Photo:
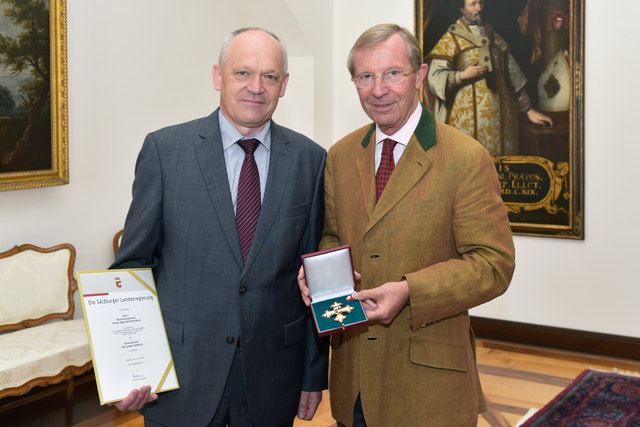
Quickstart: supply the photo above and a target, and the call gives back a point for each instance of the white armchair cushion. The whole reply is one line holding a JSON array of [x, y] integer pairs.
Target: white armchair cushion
[[22, 276], [42, 351]]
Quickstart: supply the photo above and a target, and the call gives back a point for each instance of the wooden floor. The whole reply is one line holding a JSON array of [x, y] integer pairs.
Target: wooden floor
[[514, 378]]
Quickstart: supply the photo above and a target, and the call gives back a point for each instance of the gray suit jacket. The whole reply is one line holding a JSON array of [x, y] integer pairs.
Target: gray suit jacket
[[181, 223]]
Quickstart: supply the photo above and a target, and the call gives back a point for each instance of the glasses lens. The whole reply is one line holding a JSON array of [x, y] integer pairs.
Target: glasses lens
[[364, 81], [393, 76]]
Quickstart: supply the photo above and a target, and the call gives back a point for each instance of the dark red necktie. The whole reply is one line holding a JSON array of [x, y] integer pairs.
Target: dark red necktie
[[386, 166], [248, 203]]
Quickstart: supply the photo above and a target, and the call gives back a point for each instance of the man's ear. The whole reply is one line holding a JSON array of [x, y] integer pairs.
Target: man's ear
[[285, 80], [216, 75], [421, 74]]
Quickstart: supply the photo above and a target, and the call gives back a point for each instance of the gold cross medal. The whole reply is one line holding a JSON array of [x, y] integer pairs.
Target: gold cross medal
[[339, 311], [331, 282]]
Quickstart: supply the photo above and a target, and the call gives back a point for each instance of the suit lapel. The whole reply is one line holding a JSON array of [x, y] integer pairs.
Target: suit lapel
[[210, 157], [414, 163], [365, 163], [279, 166]]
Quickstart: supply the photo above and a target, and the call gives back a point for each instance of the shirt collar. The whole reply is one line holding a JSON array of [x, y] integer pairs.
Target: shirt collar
[[230, 135], [472, 24], [403, 135], [425, 131]]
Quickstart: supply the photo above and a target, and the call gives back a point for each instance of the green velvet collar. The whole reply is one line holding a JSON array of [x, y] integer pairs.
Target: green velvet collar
[[425, 132]]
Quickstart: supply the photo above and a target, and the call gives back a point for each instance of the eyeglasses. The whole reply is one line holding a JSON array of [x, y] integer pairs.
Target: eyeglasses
[[267, 79], [392, 77]]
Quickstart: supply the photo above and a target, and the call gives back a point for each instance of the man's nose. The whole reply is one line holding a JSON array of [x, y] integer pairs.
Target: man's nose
[[255, 84], [380, 87]]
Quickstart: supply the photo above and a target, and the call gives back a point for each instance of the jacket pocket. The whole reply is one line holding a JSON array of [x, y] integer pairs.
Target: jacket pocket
[[438, 355], [174, 330], [293, 211], [295, 331]]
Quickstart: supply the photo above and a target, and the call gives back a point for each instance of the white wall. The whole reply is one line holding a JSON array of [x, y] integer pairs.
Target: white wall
[[351, 18], [593, 284], [135, 66]]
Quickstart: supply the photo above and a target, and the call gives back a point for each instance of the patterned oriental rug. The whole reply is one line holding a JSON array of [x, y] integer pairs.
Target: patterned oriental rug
[[593, 399]]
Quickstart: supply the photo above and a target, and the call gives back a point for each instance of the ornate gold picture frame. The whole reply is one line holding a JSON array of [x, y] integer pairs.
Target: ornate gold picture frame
[[541, 167], [34, 142]]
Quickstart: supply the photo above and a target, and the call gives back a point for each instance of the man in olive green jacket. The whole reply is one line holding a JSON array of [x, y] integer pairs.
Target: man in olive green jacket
[[436, 243]]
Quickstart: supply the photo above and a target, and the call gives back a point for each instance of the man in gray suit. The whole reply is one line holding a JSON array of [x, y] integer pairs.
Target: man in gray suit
[[243, 343]]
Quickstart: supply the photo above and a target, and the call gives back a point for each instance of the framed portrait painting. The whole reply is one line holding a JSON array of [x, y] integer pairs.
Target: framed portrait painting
[[510, 74], [33, 94]]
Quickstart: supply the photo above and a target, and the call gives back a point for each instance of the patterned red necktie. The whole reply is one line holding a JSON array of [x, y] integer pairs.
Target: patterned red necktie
[[386, 166], [248, 203]]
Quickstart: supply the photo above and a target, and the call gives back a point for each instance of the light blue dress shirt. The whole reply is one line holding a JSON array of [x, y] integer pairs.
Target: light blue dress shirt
[[234, 155]]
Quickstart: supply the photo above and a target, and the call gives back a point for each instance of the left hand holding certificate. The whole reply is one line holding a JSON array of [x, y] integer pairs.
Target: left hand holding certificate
[[129, 344]]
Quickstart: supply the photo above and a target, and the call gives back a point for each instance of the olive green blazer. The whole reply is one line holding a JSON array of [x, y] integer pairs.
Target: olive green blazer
[[441, 225]]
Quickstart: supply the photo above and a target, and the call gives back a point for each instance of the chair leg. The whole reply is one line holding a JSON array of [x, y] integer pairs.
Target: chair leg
[[70, 384], [68, 413]]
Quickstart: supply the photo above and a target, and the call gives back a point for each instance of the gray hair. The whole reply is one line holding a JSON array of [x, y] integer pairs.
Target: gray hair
[[227, 41], [381, 32]]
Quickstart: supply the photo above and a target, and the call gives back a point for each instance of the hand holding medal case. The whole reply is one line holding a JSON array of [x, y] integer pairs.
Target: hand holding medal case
[[331, 282]]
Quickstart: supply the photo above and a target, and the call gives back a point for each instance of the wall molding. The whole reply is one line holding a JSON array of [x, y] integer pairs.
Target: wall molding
[[559, 338]]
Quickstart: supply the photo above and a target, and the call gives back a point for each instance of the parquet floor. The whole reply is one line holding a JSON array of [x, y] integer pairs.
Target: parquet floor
[[514, 378]]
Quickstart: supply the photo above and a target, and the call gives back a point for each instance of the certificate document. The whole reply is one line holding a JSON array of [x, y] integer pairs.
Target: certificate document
[[129, 344]]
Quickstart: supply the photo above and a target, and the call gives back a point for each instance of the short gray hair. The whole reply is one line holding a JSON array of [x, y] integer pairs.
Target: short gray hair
[[224, 49], [381, 32]]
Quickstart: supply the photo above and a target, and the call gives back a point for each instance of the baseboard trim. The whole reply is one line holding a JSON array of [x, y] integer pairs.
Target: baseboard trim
[[559, 338]]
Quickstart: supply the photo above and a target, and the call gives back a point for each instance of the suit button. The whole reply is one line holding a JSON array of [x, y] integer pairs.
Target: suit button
[[242, 290], [230, 340]]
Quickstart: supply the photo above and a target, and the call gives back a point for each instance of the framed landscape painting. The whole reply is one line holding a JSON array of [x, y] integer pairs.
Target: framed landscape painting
[[34, 146], [510, 74]]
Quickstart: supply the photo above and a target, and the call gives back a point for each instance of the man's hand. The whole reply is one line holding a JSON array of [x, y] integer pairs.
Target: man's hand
[[473, 71], [136, 399], [309, 401], [538, 118], [384, 302], [304, 289]]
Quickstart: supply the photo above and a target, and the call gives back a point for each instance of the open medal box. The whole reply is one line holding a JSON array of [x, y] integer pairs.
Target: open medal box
[[331, 282]]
